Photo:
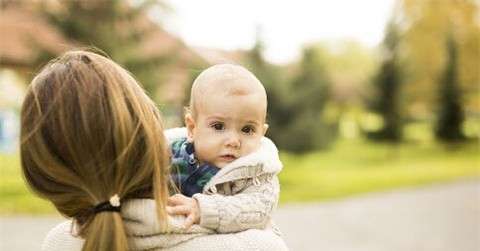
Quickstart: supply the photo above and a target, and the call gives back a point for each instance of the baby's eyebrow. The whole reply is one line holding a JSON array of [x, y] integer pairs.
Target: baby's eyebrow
[[254, 122], [216, 117]]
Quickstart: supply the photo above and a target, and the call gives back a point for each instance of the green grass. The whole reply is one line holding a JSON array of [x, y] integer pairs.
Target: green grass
[[15, 197], [355, 167], [351, 167]]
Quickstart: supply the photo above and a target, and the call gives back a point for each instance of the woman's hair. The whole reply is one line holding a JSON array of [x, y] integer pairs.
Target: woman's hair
[[88, 131]]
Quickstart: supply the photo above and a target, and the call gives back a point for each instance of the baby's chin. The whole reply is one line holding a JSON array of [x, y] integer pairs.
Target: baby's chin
[[221, 162]]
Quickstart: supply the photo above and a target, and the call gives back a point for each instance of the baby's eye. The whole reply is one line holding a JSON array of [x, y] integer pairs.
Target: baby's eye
[[248, 129], [218, 126]]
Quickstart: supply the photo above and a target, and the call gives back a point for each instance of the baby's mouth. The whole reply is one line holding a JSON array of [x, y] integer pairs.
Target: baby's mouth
[[228, 157]]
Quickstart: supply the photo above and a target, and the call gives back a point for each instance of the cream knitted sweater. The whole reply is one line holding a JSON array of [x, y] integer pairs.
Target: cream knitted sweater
[[243, 194]]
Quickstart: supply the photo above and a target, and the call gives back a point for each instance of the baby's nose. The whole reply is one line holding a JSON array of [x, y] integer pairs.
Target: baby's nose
[[233, 140]]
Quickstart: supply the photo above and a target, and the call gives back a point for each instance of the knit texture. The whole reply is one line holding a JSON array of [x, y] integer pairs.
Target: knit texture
[[61, 238]]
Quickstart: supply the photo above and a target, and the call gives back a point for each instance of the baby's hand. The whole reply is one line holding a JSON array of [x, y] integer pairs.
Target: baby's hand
[[180, 204]]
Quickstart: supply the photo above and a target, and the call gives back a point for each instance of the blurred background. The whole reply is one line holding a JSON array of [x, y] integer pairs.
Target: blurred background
[[364, 96]]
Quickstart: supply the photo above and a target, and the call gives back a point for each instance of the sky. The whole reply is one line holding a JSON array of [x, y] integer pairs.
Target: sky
[[285, 25]]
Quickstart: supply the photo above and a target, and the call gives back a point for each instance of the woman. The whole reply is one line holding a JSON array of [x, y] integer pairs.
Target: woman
[[92, 143]]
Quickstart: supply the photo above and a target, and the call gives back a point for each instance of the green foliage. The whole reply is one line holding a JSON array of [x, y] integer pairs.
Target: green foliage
[[387, 83], [311, 90], [450, 114], [312, 85], [279, 108], [349, 65], [115, 27], [426, 24], [295, 108]]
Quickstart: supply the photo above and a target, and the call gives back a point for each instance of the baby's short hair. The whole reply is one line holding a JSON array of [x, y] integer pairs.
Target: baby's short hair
[[236, 80]]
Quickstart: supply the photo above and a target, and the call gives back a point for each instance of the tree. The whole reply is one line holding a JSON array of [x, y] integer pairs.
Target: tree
[[425, 23], [311, 91], [115, 27], [387, 83], [450, 115], [279, 110], [295, 107]]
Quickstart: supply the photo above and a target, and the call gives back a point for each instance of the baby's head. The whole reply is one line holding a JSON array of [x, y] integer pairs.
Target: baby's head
[[226, 119]]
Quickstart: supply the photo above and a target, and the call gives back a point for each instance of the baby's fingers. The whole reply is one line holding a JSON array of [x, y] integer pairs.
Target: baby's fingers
[[176, 199], [178, 210], [189, 221]]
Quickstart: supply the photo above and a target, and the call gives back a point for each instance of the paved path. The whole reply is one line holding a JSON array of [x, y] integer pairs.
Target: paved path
[[433, 218]]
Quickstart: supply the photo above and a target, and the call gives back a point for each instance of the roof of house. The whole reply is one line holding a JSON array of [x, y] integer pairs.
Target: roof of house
[[24, 33]]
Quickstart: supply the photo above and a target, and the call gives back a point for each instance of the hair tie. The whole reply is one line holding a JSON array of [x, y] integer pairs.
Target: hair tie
[[112, 205]]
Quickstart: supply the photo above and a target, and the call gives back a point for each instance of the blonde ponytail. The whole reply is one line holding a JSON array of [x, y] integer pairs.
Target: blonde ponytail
[[106, 232], [89, 131]]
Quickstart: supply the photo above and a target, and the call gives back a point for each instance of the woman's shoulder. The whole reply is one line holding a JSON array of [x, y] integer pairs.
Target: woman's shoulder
[[60, 238], [252, 239], [262, 239]]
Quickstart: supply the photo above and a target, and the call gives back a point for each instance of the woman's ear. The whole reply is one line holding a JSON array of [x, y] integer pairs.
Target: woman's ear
[[190, 124], [265, 128]]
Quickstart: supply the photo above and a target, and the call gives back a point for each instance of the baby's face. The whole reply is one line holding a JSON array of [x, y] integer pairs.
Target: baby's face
[[227, 127]]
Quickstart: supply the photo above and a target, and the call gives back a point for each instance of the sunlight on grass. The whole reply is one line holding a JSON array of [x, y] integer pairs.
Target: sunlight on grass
[[358, 167], [15, 197]]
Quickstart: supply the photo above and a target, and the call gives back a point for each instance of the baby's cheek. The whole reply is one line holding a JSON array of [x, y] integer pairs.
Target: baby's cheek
[[251, 146]]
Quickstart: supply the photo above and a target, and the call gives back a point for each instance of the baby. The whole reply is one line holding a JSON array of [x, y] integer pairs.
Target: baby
[[222, 163]]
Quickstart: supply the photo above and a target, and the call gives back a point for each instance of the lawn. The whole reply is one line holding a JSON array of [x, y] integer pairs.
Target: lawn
[[14, 195], [350, 168], [357, 166]]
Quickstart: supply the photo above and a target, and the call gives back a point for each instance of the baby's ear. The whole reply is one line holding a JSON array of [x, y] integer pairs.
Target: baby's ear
[[190, 124], [265, 128]]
